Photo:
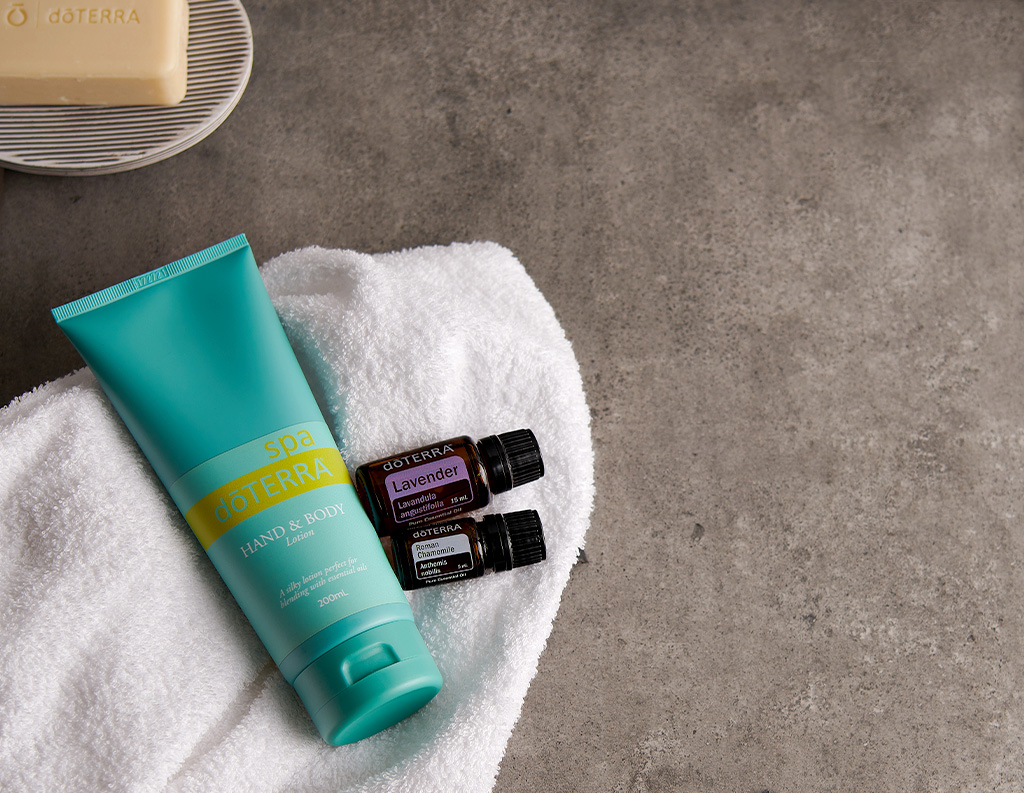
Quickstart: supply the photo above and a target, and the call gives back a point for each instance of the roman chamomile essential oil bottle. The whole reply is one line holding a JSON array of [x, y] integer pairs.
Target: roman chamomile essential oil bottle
[[447, 478], [465, 548]]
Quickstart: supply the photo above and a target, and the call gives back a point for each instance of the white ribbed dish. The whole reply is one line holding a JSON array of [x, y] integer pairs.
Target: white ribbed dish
[[77, 141]]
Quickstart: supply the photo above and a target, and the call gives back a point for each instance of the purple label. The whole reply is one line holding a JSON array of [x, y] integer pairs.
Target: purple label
[[436, 473]]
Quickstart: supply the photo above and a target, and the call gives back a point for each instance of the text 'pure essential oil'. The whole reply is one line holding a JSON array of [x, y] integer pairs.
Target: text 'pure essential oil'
[[465, 548], [447, 478]]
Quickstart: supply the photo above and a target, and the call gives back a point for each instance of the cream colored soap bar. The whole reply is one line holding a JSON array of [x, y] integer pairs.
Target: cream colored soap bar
[[95, 52]]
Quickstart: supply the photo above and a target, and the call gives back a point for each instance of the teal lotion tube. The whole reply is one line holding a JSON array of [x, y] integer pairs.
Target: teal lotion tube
[[195, 360]]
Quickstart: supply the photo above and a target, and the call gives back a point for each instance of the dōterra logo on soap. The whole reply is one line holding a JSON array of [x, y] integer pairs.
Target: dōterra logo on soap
[[16, 16], [92, 15]]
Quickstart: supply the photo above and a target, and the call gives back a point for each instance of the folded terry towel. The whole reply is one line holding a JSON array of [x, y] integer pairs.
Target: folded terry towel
[[124, 663]]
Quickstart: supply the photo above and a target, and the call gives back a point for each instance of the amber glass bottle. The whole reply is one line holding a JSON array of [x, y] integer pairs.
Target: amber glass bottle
[[464, 548], [444, 479]]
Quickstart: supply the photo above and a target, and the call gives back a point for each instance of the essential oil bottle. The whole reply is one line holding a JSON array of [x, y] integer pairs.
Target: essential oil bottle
[[444, 479], [464, 548]]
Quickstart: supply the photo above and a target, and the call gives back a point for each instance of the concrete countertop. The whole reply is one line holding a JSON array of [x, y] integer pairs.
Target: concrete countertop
[[785, 240]]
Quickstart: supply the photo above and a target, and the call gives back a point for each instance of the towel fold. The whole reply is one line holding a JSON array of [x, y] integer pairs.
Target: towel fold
[[125, 665]]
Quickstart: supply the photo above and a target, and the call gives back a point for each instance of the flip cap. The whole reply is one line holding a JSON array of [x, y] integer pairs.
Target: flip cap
[[369, 683]]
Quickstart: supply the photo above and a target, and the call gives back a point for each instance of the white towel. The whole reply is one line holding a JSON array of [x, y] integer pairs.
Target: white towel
[[124, 663]]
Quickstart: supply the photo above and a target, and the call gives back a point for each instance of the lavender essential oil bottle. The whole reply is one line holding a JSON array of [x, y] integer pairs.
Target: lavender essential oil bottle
[[444, 479]]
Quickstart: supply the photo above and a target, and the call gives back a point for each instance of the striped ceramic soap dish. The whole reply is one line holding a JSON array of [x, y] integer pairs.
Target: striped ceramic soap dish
[[74, 141]]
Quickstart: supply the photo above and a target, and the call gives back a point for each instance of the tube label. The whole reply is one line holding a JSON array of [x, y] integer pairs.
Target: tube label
[[280, 521], [266, 487]]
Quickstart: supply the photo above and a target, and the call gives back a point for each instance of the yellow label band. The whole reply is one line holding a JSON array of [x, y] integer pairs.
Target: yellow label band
[[268, 486]]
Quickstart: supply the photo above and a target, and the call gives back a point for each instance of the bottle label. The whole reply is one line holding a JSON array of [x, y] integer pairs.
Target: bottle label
[[441, 486], [448, 557]]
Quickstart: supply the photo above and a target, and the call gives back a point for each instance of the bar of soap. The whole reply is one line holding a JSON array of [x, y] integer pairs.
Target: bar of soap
[[96, 52]]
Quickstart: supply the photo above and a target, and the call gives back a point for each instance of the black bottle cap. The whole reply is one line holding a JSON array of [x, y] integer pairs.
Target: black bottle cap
[[497, 550], [511, 459], [513, 539], [526, 536]]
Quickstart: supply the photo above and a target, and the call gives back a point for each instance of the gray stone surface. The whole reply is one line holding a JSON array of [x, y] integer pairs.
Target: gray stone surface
[[785, 239]]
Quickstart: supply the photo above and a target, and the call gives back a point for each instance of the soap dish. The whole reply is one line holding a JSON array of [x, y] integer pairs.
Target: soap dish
[[77, 141]]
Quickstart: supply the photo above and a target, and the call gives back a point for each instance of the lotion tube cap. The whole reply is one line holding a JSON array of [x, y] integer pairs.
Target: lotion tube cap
[[369, 682]]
